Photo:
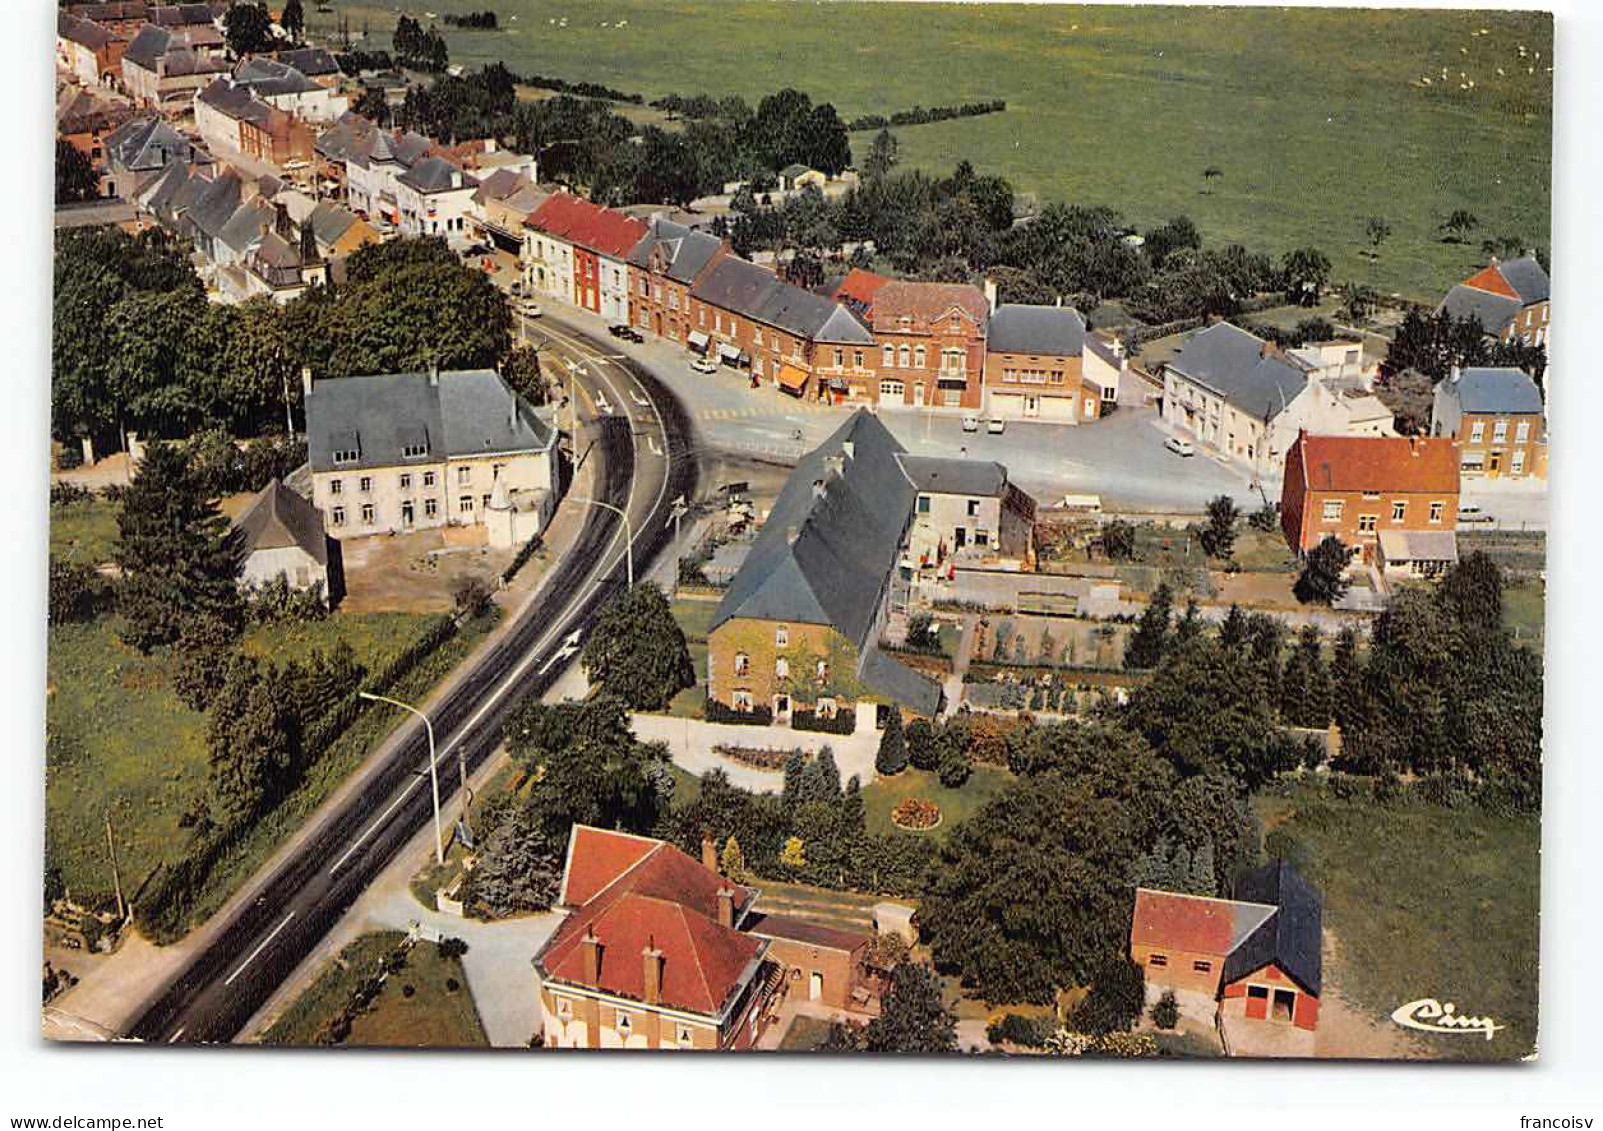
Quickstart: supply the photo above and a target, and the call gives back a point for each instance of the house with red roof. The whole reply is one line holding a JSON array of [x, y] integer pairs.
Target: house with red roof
[[1510, 299], [1394, 498], [578, 252], [1253, 962], [660, 951]]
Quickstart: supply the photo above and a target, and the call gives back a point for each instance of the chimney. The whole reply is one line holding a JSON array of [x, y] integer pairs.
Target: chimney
[[1118, 346], [709, 853], [434, 374], [591, 946], [1454, 374], [651, 958], [990, 294], [726, 908], [306, 380]]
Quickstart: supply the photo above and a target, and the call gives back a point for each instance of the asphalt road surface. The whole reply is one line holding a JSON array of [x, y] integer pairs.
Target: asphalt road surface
[[643, 448]]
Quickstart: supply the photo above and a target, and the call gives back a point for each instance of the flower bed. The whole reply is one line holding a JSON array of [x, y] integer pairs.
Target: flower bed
[[916, 813]]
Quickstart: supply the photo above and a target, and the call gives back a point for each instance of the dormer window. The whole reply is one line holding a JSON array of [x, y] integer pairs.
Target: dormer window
[[781, 637], [414, 451], [346, 455]]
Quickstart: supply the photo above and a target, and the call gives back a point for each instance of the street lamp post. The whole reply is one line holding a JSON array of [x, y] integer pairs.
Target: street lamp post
[[574, 369], [628, 532], [434, 777]]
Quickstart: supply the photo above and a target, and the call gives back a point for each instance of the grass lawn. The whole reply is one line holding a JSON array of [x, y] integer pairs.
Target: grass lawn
[[694, 619], [805, 1034], [1309, 141], [1425, 902], [328, 993], [1524, 611], [83, 533], [1260, 551], [883, 794]]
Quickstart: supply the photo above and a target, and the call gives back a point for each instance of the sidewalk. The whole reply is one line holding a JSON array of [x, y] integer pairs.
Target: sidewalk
[[690, 742]]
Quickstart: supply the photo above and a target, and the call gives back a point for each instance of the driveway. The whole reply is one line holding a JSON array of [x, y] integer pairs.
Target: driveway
[[690, 742]]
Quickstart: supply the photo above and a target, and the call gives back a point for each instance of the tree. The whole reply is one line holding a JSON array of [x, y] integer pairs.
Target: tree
[[913, 1017], [247, 28], [200, 660], [250, 745], [519, 869], [1219, 535], [1189, 626], [955, 765], [76, 178], [923, 747], [1205, 707], [293, 20], [637, 650], [521, 370], [732, 861], [882, 154], [794, 855], [892, 756], [1118, 540], [1473, 591], [1166, 1011], [1377, 231], [1116, 1000], [1324, 572], [1233, 632], [1305, 684], [178, 556], [1306, 272], [1147, 644], [1458, 225]]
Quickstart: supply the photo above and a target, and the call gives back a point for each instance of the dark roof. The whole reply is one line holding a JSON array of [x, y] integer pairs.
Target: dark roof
[[216, 204], [686, 250], [85, 32], [330, 221], [1237, 366], [237, 101], [1496, 390], [435, 174], [1046, 330], [345, 137], [181, 15], [1527, 278], [1291, 938], [942, 476], [95, 213], [269, 77], [464, 412], [899, 683], [310, 61], [278, 518], [146, 47], [1493, 311], [749, 290], [246, 227], [802, 931]]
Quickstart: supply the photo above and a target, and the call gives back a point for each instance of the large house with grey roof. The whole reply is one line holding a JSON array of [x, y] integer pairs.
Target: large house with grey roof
[[667, 262], [1037, 366], [434, 198], [398, 452], [280, 84], [231, 118], [164, 68], [1497, 417], [797, 634], [1509, 299]]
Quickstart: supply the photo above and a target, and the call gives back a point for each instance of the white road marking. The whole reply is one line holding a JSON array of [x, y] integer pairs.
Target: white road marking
[[252, 957], [651, 442], [384, 816]]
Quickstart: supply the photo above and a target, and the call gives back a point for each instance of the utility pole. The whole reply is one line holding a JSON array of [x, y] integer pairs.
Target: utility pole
[[116, 877]]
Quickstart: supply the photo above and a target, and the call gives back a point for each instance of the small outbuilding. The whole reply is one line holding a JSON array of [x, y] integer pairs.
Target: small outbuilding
[[282, 533]]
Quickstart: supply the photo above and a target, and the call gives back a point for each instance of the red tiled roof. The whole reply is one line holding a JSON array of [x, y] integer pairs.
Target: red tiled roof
[[596, 857], [859, 287], [802, 931], [1378, 463], [1192, 924], [590, 226], [924, 302], [1491, 279]]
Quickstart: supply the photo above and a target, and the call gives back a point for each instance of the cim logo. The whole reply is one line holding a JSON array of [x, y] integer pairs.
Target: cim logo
[[1431, 1016]]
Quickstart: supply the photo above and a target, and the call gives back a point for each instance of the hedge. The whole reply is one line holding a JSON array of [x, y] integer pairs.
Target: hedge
[[716, 712], [844, 722]]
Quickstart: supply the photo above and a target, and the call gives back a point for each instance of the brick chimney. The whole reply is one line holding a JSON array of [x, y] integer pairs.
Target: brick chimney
[[990, 294], [709, 853], [591, 946], [306, 380], [726, 908], [651, 957]]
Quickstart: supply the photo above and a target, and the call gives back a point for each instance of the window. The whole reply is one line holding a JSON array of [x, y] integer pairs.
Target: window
[[1500, 432], [464, 475], [366, 484], [336, 486], [892, 389], [827, 709], [1332, 510], [904, 355], [1399, 511], [923, 504], [918, 357], [1157, 960], [347, 456], [465, 504], [742, 700], [888, 358], [781, 637], [857, 358], [1477, 432], [973, 508], [686, 1038], [1522, 432], [840, 359], [428, 479], [624, 1025], [1366, 523], [822, 669], [486, 501], [781, 668], [742, 663], [338, 516], [368, 514], [407, 513], [431, 508], [1436, 511], [406, 482], [1518, 465], [954, 361], [414, 451]]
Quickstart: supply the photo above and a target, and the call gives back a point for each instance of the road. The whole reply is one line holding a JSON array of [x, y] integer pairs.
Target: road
[[245, 952]]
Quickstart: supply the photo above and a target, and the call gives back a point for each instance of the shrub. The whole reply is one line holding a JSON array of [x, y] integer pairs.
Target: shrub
[[77, 593], [891, 758], [1166, 1013], [408, 990], [1116, 1000], [453, 947], [716, 712], [66, 494], [1017, 1029], [452, 985], [923, 746], [843, 722], [956, 764]]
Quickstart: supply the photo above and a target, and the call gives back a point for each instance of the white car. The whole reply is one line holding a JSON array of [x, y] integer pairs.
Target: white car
[[1473, 514], [704, 365], [530, 309], [1180, 447], [971, 423], [995, 426]]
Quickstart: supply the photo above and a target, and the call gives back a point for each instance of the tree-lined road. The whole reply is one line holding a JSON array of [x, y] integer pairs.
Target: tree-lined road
[[641, 448]]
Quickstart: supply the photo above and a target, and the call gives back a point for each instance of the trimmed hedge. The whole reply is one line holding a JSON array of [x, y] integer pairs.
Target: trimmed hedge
[[844, 722], [716, 712]]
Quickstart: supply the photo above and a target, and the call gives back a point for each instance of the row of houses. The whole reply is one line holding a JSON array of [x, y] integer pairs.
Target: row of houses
[[870, 340]]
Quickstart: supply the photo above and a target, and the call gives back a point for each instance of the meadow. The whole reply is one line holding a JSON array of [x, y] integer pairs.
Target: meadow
[[1315, 119]]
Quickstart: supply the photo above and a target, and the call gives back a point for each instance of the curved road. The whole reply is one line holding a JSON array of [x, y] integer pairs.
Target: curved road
[[247, 951]]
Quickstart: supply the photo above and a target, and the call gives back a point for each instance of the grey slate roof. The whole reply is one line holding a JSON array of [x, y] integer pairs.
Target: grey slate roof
[[463, 412], [279, 518], [686, 250], [435, 174], [146, 47], [1291, 937], [330, 221], [1497, 390], [1231, 363], [1493, 311], [268, 77], [246, 227], [146, 143], [938, 475], [1050, 331], [216, 204], [85, 32], [749, 290], [237, 101], [826, 552], [310, 61], [1527, 278]]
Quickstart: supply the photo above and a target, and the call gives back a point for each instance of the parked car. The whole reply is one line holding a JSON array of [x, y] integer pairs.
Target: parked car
[[704, 365], [624, 333], [1471, 514], [1180, 447], [971, 423], [995, 426], [530, 309]]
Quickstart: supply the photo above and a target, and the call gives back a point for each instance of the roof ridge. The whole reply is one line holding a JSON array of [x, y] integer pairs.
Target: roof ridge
[[695, 953]]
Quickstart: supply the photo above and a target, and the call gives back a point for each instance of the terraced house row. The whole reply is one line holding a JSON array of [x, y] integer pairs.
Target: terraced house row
[[869, 340]]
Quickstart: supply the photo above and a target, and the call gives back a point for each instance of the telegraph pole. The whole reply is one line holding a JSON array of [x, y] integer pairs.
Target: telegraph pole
[[116, 878]]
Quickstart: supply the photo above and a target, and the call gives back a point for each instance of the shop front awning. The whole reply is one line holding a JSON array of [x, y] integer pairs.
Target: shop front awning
[[792, 379], [840, 385], [728, 354], [698, 341]]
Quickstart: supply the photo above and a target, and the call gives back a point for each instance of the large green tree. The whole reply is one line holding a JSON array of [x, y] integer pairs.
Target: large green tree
[[637, 651], [1323, 580], [1206, 709], [251, 743], [247, 27], [76, 179], [913, 1018], [1150, 640]]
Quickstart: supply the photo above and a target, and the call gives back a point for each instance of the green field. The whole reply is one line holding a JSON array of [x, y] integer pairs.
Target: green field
[[883, 794], [1425, 902], [84, 533], [1317, 118]]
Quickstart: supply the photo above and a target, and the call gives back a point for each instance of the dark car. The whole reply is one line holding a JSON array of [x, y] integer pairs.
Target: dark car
[[625, 333]]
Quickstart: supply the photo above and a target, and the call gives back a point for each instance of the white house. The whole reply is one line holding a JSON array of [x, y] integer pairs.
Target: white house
[[281, 85], [281, 533], [435, 198], [372, 168]]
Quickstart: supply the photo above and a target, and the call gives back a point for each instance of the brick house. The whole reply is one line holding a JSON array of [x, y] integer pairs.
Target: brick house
[[1496, 415], [1034, 366], [1358, 487], [857, 290], [1510, 299], [1255, 959], [663, 267], [803, 343], [229, 117], [931, 342], [659, 951], [578, 253]]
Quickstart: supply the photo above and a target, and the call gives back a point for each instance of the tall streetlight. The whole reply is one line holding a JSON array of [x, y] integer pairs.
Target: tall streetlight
[[628, 531], [434, 777], [574, 370]]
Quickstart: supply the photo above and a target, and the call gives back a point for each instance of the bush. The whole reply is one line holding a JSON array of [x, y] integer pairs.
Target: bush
[[1166, 1013], [453, 947], [844, 721], [67, 494], [955, 766], [69, 456], [891, 758], [78, 593], [1017, 1029], [408, 990], [759, 715], [1116, 1000], [923, 746], [452, 985]]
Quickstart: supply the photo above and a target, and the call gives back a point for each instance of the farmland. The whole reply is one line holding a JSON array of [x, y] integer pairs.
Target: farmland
[[1315, 119]]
